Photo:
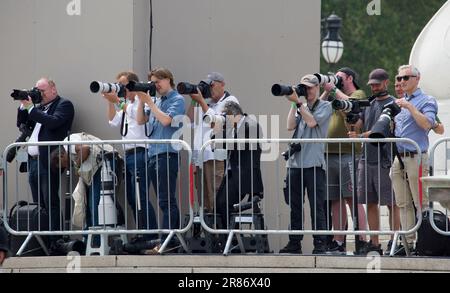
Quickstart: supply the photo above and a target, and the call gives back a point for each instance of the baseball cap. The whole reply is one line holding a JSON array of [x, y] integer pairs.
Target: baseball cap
[[377, 76], [309, 80], [214, 76], [352, 73]]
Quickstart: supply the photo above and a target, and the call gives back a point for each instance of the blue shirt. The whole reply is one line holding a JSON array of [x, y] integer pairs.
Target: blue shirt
[[172, 105], [406, 126]]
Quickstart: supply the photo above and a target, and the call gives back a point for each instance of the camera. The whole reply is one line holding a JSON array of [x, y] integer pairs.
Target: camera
[[350, 106], [26, 130], [254, 202], [382, 128], [34, 94], [329, 78], [149, 87], [209, 119], [293, 149], [279, 90], [106, 88], [186, 88]]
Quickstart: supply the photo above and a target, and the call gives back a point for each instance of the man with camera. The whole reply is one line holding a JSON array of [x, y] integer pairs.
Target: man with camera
[[417, 117], [339, 157], [51, 121], [374, 183], [163, 158], [243, 161], [306, 169], [122, 113], [212, 165]]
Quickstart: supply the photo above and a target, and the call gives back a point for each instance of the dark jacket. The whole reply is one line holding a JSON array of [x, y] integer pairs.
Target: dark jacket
[[56, 123]]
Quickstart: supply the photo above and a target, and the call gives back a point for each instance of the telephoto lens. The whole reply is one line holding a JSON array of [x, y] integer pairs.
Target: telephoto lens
[[108, 88], [149, 87], [280, 90], [209, 119]]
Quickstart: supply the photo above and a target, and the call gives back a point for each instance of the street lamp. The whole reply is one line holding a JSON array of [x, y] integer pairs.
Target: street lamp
[[332, 46]]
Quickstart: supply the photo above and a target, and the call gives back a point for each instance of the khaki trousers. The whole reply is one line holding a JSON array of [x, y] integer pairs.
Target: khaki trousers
[[213, 173]]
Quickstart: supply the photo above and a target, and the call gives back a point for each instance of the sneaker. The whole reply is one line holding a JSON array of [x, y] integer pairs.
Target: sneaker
[[335, 248], [370, 247], [361, 248], [292, 247], [173, 246], [319, 248], [138, 245]]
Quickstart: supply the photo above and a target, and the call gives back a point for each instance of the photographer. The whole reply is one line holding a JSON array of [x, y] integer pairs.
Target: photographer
[[306, 169], [374, 183], [243, 161], [213, 162], [163, 158], [122, 113], [339, 158], [52, 121], [417, 117], [438, 127]]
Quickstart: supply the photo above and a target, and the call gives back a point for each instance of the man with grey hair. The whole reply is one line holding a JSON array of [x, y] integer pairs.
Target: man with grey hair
[[212, 164], [243, 163], [414, 122]]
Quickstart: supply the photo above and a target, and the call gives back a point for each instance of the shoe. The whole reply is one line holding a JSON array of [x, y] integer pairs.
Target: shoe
[[336, 249], [292, 247], [361, 248], [370, 247], [173, 246], [139, 245], [319, 248]]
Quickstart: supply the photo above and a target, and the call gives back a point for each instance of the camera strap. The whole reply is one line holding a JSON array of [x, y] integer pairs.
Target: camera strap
[[124, 125]]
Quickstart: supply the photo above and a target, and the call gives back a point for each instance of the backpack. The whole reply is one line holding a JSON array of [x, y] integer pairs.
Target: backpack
[[430, 242]]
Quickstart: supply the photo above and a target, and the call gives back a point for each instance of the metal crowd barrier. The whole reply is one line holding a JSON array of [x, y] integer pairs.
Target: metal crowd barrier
[[438, 183], [16, 185], [239, 223]]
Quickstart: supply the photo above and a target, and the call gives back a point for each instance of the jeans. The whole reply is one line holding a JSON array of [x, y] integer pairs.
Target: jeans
[[136, 172], [313, 180], [44, 186], [163, 173]]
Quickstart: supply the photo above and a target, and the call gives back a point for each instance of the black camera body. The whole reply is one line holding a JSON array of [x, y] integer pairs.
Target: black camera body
[[292, 150], [279, 90], [34, 94], [149, 87], [186, 88], [382, 128]]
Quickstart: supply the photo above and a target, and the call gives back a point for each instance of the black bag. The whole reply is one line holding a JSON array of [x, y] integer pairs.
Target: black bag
[[430, 242], [24, 216]]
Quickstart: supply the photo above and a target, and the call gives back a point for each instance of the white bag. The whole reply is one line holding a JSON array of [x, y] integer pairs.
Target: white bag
[[79, 210]]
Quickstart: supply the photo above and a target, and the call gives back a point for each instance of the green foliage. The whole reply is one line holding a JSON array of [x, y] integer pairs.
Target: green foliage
[[383, 41]]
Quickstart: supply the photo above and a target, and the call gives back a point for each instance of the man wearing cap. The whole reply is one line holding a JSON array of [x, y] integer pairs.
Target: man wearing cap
[[306, 169], [212, 164], [339, 158], [374, 184], [417, 117]]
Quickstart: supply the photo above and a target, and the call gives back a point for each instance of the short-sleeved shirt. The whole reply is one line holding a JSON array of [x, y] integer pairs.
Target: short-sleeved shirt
[[337, 129], [407, 127], [173, 105], [203, 131], [370, 116], [312, 154]]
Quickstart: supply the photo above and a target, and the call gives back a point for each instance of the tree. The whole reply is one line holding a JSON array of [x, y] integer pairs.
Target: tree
[[383, 41]]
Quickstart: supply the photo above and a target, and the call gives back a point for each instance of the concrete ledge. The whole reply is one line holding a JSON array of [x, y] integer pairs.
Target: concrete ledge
[[57, 262], [212, 261]]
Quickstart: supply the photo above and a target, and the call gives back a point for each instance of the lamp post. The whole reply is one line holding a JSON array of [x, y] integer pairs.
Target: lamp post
[[332, 46]]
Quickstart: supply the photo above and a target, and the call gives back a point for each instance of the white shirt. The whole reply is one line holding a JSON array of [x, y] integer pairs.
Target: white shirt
[[203, 131], [135, 131]]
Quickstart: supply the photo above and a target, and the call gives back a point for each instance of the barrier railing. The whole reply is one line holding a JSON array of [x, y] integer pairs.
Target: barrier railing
[[438, 184], [232, 224], [100, 169]]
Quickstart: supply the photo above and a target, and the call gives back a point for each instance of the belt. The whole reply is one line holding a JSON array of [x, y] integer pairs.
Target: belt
[[133, 150], [409, 154]]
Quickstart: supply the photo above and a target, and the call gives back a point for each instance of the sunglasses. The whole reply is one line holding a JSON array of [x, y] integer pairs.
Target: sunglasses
[[405, 77]]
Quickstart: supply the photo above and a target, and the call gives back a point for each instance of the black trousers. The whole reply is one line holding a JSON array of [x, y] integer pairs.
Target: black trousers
[[312, 180]]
